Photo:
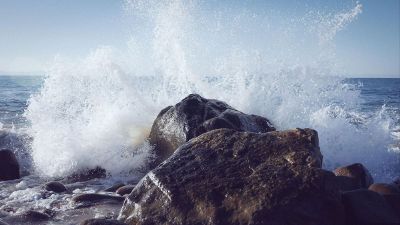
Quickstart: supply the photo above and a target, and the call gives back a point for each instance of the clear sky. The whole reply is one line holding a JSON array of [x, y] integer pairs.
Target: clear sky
[[32, 33]]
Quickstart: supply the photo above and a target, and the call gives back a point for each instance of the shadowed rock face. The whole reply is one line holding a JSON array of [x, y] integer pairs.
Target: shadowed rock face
[[368, 207], [9, 166], [196, 115], [359, 174], [230, 177]]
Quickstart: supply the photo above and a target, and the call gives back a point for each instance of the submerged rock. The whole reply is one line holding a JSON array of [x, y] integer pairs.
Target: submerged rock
[[358, 172], [55, 186], [196, 115], [32, 215], [102, 222], [85, 200], [368, 207], [125, 190], [9, 166], [230, 177]]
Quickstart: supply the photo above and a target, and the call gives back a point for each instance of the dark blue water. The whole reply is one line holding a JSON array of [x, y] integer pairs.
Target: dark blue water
[[14, 94], [16, 90], [378, 92]]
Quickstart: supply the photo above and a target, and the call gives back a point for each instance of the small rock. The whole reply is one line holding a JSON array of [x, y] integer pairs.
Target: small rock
[[55, 186], [114, 187], [88, 174], [125, 190], [384, 189], [358, 172], [32, 215], [368, 207], [90, 199], [9, 166], [102, 222]]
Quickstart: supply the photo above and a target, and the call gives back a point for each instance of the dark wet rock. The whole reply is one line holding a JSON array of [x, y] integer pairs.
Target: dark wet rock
[[368, 207], [384, 189], [358, 172], [32, 215], [347, 183], [230, 177], [9, 166], [18, 142], [114, 187], [196, 115], [55, 186], [102, 222], [394, 201], [91, 199], [88, 174], [125, 190]]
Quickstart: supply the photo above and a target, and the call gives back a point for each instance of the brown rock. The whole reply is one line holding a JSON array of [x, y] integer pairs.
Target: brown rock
[[196, 115], [368, 207], [358, 172], [230, 177], [384, 189], [9, 167], [125, 190], [102, 222]]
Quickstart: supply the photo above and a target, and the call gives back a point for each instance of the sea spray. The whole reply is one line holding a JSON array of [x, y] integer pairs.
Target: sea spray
[[275, 64]]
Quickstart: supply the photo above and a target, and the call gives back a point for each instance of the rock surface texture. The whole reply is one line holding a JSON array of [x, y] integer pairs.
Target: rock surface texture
[[9, 167], [230, 177], [196, 115]]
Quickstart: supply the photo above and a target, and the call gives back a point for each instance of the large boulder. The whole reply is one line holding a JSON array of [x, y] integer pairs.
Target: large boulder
[[230, 177], [9, 167], [358, 173], [193, 116]]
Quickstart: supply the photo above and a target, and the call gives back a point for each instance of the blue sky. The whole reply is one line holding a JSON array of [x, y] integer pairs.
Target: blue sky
[[32, 33]]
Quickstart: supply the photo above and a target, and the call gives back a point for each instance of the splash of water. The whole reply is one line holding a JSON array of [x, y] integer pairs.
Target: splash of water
[[96, 112]]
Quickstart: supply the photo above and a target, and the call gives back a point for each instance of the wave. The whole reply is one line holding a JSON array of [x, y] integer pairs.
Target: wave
[[281, 65]]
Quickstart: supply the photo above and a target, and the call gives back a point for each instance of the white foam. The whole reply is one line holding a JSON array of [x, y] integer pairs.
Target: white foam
[[95, 112]]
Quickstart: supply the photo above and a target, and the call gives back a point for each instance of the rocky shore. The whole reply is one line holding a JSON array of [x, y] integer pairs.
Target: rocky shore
[[213, 164]]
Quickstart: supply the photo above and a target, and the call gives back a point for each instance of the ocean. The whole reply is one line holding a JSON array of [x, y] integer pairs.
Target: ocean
[[377, 107]]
